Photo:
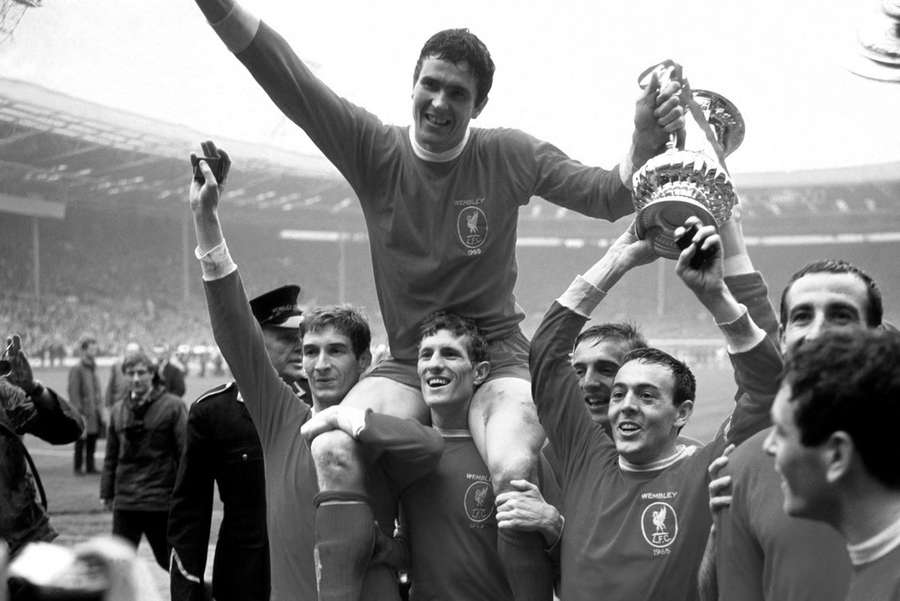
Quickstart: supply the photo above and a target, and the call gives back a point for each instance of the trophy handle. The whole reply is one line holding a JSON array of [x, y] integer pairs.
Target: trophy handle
[[694, 107]]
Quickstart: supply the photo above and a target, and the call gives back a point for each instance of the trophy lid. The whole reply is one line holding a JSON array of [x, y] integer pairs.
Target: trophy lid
[[724, 117]]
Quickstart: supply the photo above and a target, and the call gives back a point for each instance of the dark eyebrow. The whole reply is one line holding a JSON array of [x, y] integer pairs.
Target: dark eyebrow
[[800, 307], [843, 305]]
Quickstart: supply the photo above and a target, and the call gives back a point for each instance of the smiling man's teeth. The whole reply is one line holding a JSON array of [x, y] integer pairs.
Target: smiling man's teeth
[[436, 121], [629, 427], [438, 381]]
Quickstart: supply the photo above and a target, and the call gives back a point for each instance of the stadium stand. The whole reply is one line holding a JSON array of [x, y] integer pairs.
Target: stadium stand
[[74, 176]]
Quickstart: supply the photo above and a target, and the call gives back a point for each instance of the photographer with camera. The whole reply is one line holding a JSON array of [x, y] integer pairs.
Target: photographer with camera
[[26, 406]]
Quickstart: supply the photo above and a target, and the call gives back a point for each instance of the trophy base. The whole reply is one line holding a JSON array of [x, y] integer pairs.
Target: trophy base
[[658, 220]]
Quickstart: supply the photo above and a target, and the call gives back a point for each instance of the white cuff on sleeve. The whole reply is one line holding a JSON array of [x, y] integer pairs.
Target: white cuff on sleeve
[[581, 296], [626, 171], [216, 263], [742, 334], [237, 29], [738, 265]]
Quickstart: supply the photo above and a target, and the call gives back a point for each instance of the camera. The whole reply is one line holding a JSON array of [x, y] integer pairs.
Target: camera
[[215, 164], [701, 257]]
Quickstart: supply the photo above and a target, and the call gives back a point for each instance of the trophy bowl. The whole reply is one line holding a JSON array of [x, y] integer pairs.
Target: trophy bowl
[[681, 183], [676, 185]]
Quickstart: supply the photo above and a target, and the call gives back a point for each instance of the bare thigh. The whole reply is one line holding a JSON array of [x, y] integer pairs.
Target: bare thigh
[[383, 395], [505, 428]]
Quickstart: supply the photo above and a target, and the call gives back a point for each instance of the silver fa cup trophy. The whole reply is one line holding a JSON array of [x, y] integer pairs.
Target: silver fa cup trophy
[[682, 182]]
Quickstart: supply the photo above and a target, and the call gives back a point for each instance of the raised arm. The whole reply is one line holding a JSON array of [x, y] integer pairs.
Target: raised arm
[[594, 191], [756, 360], [554, 386], [215, 10], [746, 284], [238, 335], [31, 407], [337, 127]]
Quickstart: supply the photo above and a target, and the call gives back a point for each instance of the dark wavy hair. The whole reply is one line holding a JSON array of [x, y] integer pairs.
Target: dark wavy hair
[[142, 358], [345, 319], [458, 45], [875, 310], [849, 380], [626, 333], [476, 344], [685, 385]]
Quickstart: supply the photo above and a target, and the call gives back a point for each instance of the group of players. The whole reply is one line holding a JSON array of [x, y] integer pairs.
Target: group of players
[[577, 433]]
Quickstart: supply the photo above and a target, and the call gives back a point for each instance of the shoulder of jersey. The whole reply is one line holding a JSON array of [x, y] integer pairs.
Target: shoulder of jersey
[[212, 392]]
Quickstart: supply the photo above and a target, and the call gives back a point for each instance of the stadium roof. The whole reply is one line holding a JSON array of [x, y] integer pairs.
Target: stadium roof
[[55, 148], [59, 149]]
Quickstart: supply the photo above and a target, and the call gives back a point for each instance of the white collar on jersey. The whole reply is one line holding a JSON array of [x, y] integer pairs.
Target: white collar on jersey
[[876, 547], [681, 451], [437, 157], [453, 432]]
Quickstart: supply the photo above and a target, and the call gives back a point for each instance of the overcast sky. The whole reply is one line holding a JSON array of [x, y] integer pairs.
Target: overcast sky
[[566, 69]]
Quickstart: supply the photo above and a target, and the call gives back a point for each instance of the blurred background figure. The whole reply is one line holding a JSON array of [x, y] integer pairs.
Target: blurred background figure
[[171, 370], [85, 396], [118, 384], [27, 407], [104, 568]]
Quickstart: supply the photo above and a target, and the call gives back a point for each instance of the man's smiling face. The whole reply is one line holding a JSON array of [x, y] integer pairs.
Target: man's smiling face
[[595, 362], [642, 412], [443, 103], [447, 374]]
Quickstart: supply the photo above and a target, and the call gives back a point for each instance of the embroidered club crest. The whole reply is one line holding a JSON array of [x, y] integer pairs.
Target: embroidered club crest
[[479, 501], [659, 525], [471, 226]]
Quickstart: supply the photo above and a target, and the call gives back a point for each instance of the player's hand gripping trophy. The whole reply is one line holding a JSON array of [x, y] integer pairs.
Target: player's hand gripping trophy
[[681, 182]]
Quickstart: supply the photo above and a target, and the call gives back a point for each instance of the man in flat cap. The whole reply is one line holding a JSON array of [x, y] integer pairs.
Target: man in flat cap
[[222, 445]]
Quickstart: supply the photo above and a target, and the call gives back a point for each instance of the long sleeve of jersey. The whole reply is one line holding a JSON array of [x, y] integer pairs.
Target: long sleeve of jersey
[[240, 338], [750, 290], [554, 387], [352, 138], [757, 371]]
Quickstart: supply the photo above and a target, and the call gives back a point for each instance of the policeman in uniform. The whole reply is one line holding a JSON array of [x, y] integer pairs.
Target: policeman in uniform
[[222, 445]]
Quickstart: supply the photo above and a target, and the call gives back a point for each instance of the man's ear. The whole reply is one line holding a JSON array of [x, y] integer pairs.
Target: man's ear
[[478, 108], [838, 453], [480, 372], [364, 360], [683, 413]]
